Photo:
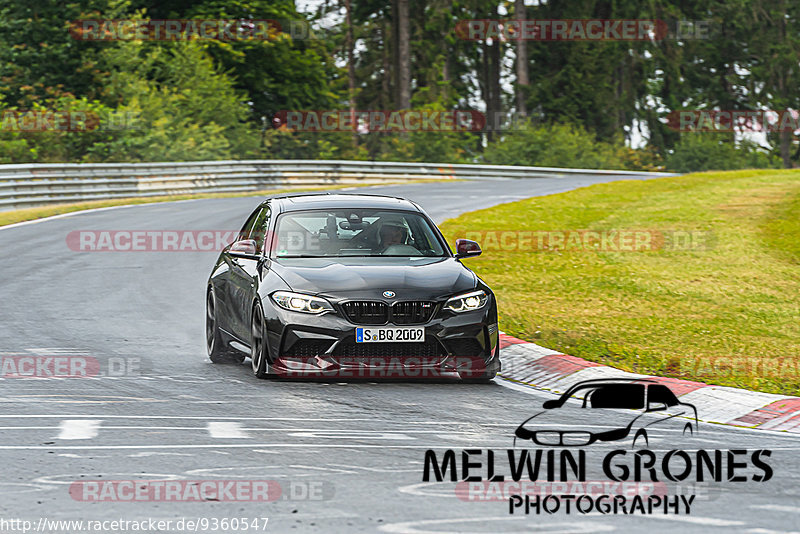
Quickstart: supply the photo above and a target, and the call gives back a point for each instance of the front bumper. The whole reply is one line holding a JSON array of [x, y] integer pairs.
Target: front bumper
[[302, 345]]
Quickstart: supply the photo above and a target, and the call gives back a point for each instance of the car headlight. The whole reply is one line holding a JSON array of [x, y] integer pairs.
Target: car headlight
[[301, 303], [467, 301]]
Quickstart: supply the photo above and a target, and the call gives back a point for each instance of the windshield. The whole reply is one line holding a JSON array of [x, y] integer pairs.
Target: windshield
[[355, 232], [614, 396]]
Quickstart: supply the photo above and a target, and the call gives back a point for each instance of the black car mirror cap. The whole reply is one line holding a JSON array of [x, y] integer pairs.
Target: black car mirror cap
[[552, 403], [244, 248], [466, 248]]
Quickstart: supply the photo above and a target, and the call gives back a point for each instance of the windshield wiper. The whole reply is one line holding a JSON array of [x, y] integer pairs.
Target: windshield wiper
[[292, 256]]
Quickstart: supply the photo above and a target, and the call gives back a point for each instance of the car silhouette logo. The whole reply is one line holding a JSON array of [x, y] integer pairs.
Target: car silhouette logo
[[605, 410], [389, 294]]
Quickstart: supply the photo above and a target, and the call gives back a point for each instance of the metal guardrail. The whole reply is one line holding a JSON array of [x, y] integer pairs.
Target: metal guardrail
[[37, 184]]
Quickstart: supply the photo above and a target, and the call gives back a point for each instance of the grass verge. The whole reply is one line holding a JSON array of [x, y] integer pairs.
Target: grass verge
[[39, 212], [711, 294]]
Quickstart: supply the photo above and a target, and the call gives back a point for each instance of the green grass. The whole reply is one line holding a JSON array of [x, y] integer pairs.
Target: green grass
[[725, 312]]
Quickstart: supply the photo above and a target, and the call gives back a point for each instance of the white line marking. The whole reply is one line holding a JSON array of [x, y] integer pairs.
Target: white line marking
[[90, 210], [71, 478], [709, 521], [255, 471], [777, 508], [55, 351], [70, 455], [273, 445], [155, 453], [63, 215], [16, 488], [306, 432], [524, 388], [205, 417], [769, 531], [236, 418], [350, 434], [317, 468], [226, 429], [79, 429], [429, 489], [27, 427], [412, 527], [778, 420], [706, 429], [376, 470], [233, 446]]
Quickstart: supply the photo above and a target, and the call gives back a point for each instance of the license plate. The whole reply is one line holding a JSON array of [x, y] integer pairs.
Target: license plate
[[384, 334]]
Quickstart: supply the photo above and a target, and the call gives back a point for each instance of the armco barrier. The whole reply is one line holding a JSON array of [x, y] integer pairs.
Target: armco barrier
[[35, 184]]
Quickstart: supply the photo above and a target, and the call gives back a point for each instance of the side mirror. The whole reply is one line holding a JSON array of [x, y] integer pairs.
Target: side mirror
[[656, 406], [246, 248], [466, 248], [549, 405]]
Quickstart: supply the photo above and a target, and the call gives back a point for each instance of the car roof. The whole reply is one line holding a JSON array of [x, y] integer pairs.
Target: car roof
[[299, 202], [611, 382]]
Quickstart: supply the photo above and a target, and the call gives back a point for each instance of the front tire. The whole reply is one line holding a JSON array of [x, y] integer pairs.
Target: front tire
[[214, 344], [258, 345], [481, 375], [475, 378]]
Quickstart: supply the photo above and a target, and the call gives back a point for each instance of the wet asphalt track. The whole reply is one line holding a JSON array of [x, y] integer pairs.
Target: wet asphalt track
[[356, 448]]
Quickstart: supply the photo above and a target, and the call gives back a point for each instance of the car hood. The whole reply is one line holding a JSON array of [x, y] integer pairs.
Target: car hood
[[592, 420], [368, 278]]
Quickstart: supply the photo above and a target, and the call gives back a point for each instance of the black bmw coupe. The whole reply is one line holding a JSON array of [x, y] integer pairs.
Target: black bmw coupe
[[344, 285]]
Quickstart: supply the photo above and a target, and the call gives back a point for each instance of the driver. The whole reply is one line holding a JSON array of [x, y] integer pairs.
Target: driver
[[392, 234]]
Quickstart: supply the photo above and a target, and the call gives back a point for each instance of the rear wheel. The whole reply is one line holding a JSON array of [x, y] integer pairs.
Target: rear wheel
[[258, 345], [214, 343]]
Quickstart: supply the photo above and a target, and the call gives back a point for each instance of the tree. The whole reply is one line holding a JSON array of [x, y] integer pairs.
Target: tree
[[38, 55], [285, 72], [776, 64], [403, 56], [521, 62]]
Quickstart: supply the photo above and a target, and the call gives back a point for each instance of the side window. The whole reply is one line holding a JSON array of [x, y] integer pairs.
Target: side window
[[259, 231], [244, 233], [658, 393], [618, 396]]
